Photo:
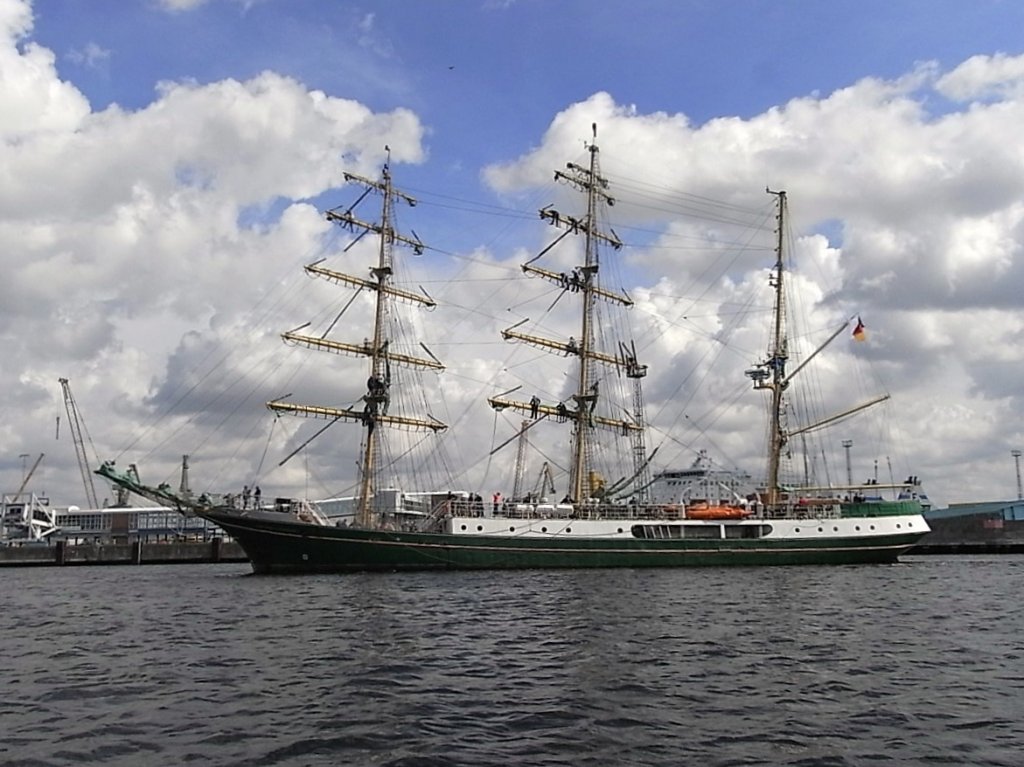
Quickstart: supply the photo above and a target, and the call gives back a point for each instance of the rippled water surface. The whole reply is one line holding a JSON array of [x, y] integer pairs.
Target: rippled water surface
[[913, 664]]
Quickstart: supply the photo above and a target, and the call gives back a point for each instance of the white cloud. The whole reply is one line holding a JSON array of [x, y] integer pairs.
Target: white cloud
[[15, 19], [369, 37], [182, 5], [33, 99], [983, 77], [91, 56]]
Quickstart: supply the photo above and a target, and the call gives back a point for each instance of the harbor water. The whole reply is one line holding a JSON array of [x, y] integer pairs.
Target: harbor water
[[912, 664]]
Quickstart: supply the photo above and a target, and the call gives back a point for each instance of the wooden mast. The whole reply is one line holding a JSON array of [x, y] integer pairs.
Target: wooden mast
[[583, 280], [771, 374], [377, 400], [378, 394], [779, 355], [586, 398]]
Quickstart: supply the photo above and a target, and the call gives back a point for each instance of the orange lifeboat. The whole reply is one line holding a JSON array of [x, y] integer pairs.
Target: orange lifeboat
[[707, 511]]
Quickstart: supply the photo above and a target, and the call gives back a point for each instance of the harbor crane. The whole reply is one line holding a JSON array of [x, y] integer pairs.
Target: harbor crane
[[78, 436], [545, 482], [517, 484], [28, 476]]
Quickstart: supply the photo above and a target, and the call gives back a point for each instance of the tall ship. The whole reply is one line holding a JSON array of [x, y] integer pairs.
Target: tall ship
[[610, 514]]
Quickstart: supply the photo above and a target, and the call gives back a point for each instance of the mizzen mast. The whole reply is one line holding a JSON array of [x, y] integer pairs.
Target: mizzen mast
[[377, 348], [771, 374]]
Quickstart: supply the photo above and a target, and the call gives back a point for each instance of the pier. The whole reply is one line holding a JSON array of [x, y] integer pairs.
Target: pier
[[980, 527], [137, 552]]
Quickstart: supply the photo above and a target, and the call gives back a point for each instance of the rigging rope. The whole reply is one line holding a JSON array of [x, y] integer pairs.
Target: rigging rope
[[266, 447]]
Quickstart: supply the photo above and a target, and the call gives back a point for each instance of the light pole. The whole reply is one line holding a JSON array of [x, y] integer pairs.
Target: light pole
[[1016, 459], [847, 444]]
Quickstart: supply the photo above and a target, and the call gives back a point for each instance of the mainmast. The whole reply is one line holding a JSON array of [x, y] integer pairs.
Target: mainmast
[[584, 281], [377, 349]]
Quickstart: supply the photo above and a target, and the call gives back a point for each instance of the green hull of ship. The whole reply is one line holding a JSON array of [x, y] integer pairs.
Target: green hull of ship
[[287, 547]]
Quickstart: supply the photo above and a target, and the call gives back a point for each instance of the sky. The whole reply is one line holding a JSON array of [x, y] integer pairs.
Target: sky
[[166, 164]]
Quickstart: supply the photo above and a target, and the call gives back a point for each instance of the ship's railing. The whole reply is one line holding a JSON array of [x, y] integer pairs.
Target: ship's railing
[[882, 508], [513, 510], [807, 509], [816, 509]]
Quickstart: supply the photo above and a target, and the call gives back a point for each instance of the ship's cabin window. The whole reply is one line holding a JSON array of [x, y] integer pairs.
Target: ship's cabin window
[[657, 531], [747, 531], [704, 532], [676, 531]]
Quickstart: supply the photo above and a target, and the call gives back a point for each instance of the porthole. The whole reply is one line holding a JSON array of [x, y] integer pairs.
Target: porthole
[[872, 527], [543, 529], [797, 530], [857, 528], [620, 529], [835, 529], [821, 529], [463, 527], [568, 529], [898, 525], [910, 524], [479, 528], [305, 557], [511, 529]]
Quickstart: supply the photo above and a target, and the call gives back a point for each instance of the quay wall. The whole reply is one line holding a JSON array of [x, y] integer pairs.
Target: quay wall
[[986, 527], [62, 553]]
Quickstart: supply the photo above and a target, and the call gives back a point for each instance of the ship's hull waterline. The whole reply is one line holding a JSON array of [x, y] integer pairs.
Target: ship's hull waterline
[[283, 546]]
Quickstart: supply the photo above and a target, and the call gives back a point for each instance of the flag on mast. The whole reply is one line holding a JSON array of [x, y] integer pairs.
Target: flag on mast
[[859, 332]]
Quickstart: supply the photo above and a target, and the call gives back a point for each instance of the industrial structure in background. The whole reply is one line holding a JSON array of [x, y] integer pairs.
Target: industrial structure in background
[[1016, 460], [25, 515], [78, 435], [28, 518], [979, 527]]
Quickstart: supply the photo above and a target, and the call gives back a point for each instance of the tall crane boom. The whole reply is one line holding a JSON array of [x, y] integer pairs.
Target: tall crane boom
[[28, 476], [76, 424], [517, 483]]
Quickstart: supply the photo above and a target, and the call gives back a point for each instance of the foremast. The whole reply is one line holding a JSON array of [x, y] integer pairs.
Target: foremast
[[377, 349], [583, 280]]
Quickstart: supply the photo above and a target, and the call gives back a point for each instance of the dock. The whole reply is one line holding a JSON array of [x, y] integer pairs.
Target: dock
[[979, 527], [137, 552]]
